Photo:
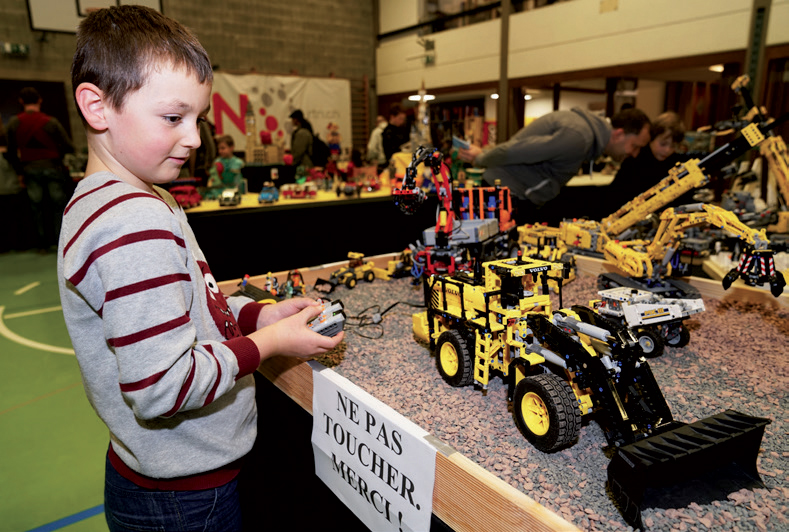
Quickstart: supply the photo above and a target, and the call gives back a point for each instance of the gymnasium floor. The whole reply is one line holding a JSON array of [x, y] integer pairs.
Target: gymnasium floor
[[52, 444]]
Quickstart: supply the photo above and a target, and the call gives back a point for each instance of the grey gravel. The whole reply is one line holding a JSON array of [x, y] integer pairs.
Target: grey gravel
[[736, 359]]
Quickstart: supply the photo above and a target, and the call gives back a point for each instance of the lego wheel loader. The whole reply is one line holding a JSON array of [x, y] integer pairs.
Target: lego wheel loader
[[566, 364]]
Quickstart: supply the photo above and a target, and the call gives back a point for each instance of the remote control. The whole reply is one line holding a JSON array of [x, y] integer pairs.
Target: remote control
[[331, 320]]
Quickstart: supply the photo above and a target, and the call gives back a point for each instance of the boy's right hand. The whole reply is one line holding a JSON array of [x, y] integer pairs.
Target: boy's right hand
[[292, 338]]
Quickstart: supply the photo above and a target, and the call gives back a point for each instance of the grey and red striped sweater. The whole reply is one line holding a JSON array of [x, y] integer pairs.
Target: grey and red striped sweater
[[161, 350]]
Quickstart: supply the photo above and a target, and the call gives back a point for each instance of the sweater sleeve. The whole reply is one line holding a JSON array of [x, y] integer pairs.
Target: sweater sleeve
[[129, 262], [533, 149]]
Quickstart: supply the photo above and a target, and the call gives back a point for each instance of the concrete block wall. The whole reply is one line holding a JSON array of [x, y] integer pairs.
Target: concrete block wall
[[304, 37]]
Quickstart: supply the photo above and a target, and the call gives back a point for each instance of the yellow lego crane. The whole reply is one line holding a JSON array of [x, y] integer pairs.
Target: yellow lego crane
[[652, 259], [613, 236]]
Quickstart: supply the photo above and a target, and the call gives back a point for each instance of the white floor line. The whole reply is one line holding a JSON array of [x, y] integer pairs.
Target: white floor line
[[7, 333], [26, 288]]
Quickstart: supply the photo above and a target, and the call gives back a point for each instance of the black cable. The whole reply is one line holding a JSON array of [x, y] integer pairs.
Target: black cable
[[363, 320]]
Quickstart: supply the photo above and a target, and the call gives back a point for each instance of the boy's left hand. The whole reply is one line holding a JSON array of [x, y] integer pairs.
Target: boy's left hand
[[277, 311]]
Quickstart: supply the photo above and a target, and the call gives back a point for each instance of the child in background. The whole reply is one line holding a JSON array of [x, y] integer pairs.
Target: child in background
[[226, 170], [166, 359]]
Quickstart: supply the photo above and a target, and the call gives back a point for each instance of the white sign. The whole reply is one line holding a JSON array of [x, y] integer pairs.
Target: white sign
[[375, 460], [325, 103]]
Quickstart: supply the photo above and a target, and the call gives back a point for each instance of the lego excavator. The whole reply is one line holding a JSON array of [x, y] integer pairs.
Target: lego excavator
[[567, 364], [648, 264]]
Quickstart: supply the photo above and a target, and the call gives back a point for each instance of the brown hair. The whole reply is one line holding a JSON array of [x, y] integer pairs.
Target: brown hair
[[227, 139], [395, 110], [632, 121], [29, 95], [668, 122], [118, 46]]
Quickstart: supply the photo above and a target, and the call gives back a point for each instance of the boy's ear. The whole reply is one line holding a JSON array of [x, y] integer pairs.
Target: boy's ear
[[91, 102]]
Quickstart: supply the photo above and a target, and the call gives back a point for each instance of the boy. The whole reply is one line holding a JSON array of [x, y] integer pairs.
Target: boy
[[226, 170], [162, 352]]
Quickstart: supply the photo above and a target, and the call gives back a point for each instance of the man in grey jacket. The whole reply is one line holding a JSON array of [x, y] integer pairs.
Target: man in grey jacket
[[542, 157]]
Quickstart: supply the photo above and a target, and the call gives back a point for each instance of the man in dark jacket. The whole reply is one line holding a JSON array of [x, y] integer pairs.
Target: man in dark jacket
[[37, 143], [395, 134], [542, 157], [301, 140]]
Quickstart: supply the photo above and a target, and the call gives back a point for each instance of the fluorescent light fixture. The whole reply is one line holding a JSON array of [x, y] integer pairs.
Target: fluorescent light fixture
[[416, 97], [716, 68], [494, 96]]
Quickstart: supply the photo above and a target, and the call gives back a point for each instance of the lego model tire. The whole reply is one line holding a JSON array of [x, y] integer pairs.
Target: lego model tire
[[350, 282], [369, 277], [545, 411], [678, 336], [453, 359], [649, 341]]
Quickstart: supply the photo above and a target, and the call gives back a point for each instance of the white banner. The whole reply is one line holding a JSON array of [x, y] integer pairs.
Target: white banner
[[375, 460], [325, 102]]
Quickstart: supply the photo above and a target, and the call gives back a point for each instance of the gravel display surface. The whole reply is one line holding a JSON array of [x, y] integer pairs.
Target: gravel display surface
[[736, 359]]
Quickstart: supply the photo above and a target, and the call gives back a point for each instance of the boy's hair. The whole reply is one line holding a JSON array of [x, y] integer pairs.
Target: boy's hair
[[632, 121], [668, 122], [117, 47], [227, 139], [29, 95]]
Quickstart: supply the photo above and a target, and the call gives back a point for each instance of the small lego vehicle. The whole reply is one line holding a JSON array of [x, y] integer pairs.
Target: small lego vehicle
[[371, 184], [350, 189], [187, 196], [230, 197], [269, 193], [296, 191], [348, 275], [656, 321]]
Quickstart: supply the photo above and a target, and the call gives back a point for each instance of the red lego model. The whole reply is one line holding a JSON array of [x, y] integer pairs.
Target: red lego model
[[186, 196]]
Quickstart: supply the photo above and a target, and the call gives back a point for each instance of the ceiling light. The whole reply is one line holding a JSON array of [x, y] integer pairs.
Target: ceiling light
[[417, 97], [527, 96], [494, 96], [716, 68]]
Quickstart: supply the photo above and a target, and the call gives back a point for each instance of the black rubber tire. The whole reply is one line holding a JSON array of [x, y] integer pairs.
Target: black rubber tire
[[679, 338], [546, 412], [650, 342], [453, 359], [350, 282], [369, 276]]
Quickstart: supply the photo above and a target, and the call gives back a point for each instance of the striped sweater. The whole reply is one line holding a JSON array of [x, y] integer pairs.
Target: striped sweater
[[162, 354]]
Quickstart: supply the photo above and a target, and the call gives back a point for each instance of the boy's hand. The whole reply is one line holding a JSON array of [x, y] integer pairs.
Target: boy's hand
[[271, 314], [291, 337]]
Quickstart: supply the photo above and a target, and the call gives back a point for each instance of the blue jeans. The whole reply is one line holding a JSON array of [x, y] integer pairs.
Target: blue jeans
[[128, 507]]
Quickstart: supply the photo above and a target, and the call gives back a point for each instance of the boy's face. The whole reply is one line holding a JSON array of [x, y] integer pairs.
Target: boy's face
[[151, 137], [224, 150], [663, 146]]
